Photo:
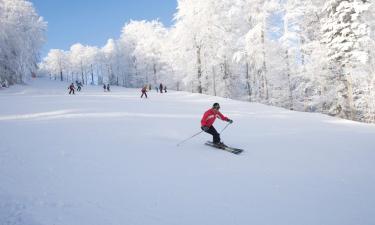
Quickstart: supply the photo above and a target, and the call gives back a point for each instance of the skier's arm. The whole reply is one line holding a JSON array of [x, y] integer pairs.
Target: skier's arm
[[222, 117]]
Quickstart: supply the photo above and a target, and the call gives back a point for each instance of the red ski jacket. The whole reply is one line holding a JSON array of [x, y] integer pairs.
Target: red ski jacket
[[210, 116]]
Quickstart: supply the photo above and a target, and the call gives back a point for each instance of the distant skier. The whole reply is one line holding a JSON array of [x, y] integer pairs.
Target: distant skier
[[207, 121], [108, 88], [165, 89], [79, 86], [71, 88], [157, 89], [161, 88], [104, 87], [144, 91], [5, 84]]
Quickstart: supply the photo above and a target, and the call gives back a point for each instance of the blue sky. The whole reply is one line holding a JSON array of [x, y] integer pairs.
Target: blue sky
[[93, 22]]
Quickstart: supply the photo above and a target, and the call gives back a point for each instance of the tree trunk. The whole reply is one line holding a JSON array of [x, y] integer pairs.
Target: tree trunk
[[264, 67], [345, 107], [248, 86], [83, 79], [155, 77], [214, 79], [352, 111], [199, 69], [303, 63], [290, 92], [92, 75]]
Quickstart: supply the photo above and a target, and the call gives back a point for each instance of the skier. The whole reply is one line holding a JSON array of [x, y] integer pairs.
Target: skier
[[209, 118], [165, 89], [144, 91], [71, 88], [161, 88], [108, 88], [79, 84], [104, 87], [157, 89]]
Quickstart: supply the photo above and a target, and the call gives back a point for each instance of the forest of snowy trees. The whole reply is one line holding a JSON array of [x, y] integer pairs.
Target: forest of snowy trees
[[311, 55], [21, 37]]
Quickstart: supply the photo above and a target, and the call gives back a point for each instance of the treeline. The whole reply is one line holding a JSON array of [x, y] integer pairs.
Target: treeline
[[21, 37], [312, 55]]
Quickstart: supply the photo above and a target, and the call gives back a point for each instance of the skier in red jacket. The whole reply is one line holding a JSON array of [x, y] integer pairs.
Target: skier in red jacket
[[71, 89], [144, 91], [209, 118]]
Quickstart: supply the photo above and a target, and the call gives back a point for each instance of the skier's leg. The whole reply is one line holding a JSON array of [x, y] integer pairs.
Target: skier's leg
[[215, 135]]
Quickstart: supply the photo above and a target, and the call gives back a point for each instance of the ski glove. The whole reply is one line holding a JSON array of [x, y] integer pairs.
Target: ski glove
[[230, 121], [204, 128]]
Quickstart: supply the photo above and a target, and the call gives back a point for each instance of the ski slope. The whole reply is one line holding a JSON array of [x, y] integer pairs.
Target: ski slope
[[111, 159]]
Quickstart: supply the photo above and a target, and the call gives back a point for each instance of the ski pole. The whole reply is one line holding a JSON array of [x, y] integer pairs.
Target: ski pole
[[225, 128], [179, 144]]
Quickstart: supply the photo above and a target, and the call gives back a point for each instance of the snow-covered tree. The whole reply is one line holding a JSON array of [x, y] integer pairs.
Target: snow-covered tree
[[346, 36], [146, 40], [56, 63], [21, 37]]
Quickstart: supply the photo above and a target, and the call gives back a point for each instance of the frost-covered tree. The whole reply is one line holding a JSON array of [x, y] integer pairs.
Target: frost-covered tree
[[346, 36], [256, 45], [57, 63], [21, 37], [110, 53], [208, 31], [146, 40]]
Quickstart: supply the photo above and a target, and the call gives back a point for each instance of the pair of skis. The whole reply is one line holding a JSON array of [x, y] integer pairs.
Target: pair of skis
[[236, 151]]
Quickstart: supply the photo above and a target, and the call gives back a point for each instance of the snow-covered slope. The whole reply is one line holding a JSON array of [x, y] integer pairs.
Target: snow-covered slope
[[111, 159]]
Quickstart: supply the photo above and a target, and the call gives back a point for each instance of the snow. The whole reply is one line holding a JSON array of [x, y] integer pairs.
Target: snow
[[111, 158]]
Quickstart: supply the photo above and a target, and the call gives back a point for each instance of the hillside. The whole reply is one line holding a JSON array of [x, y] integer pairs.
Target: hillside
[[101, 158]]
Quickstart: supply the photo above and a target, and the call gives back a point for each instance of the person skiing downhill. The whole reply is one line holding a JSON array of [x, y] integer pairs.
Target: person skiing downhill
[[207, 121], [71, 89], [161, 88], [144, 91], [79, 86]]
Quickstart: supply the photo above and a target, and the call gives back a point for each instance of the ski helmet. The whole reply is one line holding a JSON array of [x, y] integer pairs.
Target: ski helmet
[[216, 106]]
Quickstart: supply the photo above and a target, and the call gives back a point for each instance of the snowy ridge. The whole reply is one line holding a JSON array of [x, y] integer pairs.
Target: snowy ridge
[[111, 158]]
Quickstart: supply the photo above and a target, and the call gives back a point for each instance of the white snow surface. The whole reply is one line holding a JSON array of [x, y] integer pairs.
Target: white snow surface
[[111, 159]]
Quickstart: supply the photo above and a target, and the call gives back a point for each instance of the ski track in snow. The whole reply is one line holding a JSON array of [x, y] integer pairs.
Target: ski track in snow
[[100, 158]]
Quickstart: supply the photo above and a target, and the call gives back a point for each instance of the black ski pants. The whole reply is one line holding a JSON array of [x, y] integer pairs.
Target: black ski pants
[[214, 133]]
